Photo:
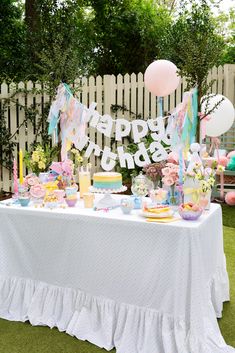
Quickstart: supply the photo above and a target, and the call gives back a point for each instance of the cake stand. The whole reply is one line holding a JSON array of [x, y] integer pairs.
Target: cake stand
[[107, 201]]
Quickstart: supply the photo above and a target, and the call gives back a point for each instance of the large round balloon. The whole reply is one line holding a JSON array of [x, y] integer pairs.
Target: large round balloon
[[222, 118], [161, 78]]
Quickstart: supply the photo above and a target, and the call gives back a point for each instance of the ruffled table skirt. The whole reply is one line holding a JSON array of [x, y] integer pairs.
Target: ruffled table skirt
[[108, 324]]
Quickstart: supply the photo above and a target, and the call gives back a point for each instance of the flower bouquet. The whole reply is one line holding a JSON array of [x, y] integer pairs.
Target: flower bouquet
[[170, 180]]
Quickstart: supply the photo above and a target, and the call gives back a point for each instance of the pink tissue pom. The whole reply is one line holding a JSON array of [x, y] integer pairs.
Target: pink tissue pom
[[173, 157], [223, 161], [230, 154], [230, 198]]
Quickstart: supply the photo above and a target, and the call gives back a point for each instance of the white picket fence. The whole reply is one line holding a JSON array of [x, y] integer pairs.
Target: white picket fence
[[127, 90]]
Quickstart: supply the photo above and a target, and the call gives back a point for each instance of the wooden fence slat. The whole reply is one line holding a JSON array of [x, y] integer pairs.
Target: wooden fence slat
[[21, 117], [92, 132], [220, 79], [30, 103], [39, 105], [100, 108], [140, 86], [127, 99], [5, 175], [109, 92]]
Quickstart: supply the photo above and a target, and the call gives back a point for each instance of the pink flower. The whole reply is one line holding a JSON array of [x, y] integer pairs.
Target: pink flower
[[173, 158], [30, 180], [37, 191], [166, 171], [57, 167], [67, 167], [168, 181]]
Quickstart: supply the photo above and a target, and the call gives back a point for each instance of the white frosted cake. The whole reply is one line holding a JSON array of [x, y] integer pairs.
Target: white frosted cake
[[107, 181]]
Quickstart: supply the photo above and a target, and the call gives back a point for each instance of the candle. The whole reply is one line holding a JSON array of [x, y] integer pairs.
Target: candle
[[15, 176], [21, 167]]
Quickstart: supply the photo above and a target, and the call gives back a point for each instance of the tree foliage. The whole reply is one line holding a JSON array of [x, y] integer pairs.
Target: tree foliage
[[194, 45], [12, 40], [126, 34]]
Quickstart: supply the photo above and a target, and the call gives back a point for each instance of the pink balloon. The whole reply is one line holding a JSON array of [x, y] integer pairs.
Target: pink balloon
[[161, 78], [230, 154]]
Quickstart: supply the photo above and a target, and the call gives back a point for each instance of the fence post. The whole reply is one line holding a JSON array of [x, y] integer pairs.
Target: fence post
[[229, 80]]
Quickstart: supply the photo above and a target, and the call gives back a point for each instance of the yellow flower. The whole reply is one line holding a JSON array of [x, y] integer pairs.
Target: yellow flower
[[35, 157], [79, 159], [74, 151], [220, 168], [41, 165]]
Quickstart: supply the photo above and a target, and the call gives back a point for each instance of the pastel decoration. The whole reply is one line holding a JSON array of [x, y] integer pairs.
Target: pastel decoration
[[195, 158], [231, 164], [222, 117], [161, 78], [223, 161], [21, 167], [37, 191], [230, 198], [173, 158], [230, 154]]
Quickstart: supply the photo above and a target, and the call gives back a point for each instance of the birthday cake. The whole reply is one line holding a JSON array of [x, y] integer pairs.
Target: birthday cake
[[107, 181]]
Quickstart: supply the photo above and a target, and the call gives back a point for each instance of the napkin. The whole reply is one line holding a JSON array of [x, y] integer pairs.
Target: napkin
[[163, 220]]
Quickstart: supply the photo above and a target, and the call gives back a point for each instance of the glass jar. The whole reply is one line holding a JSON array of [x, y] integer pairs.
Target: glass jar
[[141, 185], [84, 177]]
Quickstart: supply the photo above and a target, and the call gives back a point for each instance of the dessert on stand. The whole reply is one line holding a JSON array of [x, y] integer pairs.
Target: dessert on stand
[[107, 183]]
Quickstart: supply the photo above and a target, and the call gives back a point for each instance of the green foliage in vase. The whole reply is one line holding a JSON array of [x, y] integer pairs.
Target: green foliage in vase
[[40, 158]]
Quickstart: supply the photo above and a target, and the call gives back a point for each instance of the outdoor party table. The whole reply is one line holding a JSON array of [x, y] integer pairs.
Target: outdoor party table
[[116, 280]]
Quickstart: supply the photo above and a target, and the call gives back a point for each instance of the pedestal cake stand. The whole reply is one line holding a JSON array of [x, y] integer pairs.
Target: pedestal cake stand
[[107, 201]]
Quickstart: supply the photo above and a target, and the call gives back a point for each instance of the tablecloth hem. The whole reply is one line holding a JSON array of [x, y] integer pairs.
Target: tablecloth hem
[[102, 321]]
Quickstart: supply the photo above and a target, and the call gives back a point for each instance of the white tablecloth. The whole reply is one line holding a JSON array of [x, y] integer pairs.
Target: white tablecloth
[[116, 280]]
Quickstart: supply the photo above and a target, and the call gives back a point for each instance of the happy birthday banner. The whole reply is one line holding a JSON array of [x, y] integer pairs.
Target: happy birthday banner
[[74, 117]]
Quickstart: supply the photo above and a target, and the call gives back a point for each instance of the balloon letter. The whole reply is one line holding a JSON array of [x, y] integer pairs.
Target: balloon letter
[[125, 158], [108, 159], [92, 147], [159, 152], [120, 131], [141, 156], [105, 125], [157, 126], [138, 134]]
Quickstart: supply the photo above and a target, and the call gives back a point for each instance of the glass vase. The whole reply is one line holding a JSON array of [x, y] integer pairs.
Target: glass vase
[[174, 196], [84, 177], [205, 200]]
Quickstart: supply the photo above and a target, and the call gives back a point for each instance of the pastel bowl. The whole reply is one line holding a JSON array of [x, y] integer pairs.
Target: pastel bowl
[[71, 202], [24, 201], [51, 204], [190, 215]]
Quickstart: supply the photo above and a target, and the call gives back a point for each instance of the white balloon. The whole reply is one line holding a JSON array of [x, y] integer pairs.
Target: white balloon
[[222, 117]]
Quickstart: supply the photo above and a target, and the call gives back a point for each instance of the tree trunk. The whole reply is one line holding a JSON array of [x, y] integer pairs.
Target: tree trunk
[[32, 21], [31, 15]]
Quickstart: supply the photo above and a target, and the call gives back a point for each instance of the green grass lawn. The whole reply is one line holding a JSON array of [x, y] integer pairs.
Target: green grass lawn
[[17, 337]]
